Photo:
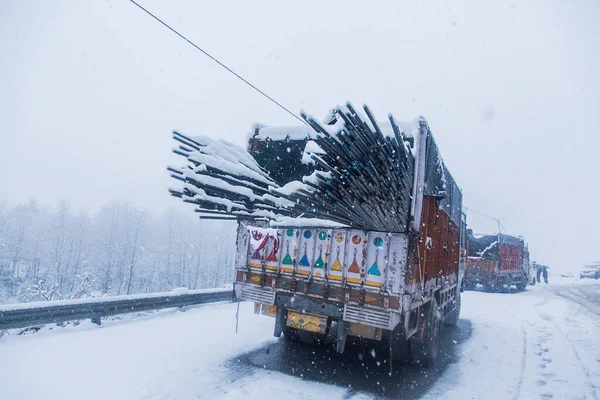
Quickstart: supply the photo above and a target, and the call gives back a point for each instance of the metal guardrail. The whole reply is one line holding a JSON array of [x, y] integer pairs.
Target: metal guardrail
[[23, 316]]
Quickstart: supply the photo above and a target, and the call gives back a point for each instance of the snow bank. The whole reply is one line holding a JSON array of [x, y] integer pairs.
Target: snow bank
[[43, 304]]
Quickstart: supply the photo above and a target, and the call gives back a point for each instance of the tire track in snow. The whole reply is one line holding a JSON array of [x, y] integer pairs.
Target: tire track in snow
[[523, 363], [580, 301], [588, 378], [586, 373], [574, 295]]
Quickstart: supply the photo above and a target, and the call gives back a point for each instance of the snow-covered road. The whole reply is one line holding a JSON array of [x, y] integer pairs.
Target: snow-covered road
[[531, 345], [539, 344]]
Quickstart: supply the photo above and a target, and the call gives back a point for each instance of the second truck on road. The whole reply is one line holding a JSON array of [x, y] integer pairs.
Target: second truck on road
[[497, 262]]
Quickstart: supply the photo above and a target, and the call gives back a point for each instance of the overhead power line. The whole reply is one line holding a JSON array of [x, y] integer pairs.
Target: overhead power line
[[487, 216], [483, 215], [219, 62]]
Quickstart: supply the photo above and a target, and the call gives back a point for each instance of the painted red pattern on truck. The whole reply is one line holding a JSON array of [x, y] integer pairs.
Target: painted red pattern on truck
[[511, 257]]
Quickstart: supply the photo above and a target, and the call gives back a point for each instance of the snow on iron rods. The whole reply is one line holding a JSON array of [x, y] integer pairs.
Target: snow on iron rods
[[372, 165], [368, 184]]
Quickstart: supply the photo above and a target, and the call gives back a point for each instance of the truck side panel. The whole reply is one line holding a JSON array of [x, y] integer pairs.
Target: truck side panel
[[438, 247]]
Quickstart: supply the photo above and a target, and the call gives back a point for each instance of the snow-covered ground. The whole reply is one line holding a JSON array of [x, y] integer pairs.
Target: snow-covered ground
[[530, 345], [539, 344]]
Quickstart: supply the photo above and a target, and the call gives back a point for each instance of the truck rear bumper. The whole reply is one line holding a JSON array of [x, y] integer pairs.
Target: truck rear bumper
[[474, 278], [310, 305], [502, 278], [511, 277], [337, 310], [257, 294]]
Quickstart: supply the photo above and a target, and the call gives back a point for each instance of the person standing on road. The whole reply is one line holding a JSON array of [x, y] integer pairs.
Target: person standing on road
[[541, 271]]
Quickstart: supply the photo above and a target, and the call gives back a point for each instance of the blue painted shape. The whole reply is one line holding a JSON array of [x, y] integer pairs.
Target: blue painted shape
[[374, 270], [304, 261]]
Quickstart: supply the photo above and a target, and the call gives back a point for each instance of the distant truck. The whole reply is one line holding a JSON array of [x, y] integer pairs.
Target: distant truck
[[497, 262], [318, 277], [590, 270]]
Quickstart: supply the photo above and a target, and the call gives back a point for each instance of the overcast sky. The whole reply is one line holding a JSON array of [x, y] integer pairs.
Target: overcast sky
[[90, 91]]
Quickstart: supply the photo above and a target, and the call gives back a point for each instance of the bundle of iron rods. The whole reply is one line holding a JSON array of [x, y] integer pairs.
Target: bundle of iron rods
[[363, 179]]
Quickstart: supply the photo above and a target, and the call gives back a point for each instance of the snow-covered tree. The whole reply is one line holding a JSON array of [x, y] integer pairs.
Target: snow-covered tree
[[54, 253]]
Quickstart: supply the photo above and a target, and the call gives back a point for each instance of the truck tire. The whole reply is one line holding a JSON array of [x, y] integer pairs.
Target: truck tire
[[291, 334], [400, 346], [425, 352], [301, 336], [468, 285], [521, 286], [489, 288], [452, 318]]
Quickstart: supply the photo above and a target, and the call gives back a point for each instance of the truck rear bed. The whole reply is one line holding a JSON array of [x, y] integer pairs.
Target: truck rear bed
[[349, 274]]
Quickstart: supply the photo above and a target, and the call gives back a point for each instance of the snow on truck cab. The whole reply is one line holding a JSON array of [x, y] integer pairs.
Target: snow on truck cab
[[350, 227]]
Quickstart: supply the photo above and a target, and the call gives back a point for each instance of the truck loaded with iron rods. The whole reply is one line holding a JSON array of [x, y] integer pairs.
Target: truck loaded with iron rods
[[347, 227]]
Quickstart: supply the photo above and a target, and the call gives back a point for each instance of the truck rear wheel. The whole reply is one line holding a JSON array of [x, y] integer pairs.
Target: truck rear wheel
[[452, 317], [302, 336], [468, 285], [400, 346], [489, 288], [425, 351], [291, 334]]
